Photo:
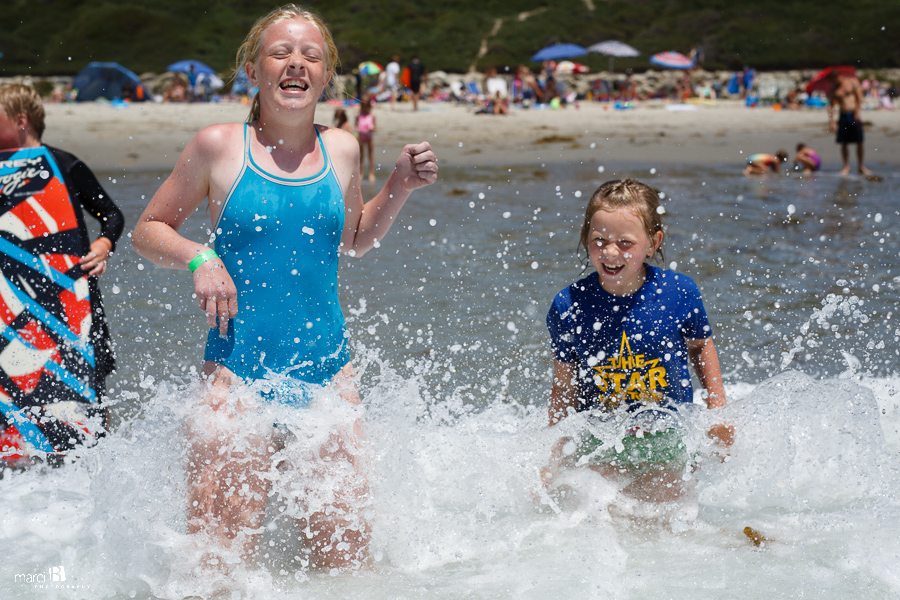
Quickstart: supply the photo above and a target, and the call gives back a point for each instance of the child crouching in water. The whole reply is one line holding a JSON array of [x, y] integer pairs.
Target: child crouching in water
[[761, 163], [807, 159], [622, 339]]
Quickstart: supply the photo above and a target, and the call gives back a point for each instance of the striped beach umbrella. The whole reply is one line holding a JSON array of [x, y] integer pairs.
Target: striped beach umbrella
[[672, 60], [614, 49], [370, 68]]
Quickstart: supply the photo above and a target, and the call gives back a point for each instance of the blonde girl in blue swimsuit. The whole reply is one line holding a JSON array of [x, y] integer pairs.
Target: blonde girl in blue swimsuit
[[268, 287]]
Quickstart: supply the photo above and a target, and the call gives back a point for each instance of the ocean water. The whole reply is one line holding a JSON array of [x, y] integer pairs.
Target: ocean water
[[800, 276]]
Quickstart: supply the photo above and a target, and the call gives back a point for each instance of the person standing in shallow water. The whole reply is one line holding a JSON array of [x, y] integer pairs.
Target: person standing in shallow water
[[284, 197], [366, 128], [847, 94], [56, 351]]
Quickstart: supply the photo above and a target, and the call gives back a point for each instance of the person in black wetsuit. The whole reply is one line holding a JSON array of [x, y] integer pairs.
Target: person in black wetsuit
[[418, 75], [55, 352]]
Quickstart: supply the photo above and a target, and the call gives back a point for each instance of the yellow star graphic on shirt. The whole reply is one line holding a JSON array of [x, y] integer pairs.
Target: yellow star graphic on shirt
[[629, 376]]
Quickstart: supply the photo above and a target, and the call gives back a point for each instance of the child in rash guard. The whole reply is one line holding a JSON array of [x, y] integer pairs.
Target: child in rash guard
[[622, 340]]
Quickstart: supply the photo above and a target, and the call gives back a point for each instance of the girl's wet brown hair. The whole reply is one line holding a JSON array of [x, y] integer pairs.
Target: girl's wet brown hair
[[637, 197]]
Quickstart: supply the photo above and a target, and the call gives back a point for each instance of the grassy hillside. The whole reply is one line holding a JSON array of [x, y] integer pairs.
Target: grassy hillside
[[56, 37]]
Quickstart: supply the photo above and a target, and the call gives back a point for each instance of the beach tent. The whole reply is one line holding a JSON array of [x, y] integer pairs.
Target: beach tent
[[107, 80]]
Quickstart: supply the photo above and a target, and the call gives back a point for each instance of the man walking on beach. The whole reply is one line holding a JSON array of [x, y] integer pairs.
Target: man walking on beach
[[847, 94]]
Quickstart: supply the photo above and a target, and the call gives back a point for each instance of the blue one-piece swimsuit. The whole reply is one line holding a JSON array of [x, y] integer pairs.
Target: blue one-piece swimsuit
[[279, 241]]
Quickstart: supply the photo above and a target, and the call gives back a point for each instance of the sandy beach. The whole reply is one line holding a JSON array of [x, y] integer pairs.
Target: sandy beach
[[151, 136]]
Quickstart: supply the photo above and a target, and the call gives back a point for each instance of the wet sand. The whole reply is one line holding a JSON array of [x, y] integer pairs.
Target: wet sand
[[151, 136]]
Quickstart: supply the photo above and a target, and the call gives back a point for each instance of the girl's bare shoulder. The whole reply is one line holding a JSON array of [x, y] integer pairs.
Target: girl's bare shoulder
[[341, 144], [219, 139]]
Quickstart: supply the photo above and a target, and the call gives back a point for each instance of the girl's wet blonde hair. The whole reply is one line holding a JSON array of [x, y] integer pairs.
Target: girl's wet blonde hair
[[250, 49], [637, 197]]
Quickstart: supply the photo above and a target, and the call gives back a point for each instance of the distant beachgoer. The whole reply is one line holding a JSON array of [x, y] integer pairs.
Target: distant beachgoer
[[341, 121], [285, 199], [847, 94], [365, 128], [685, 88], [392, 78], [807, 159], [418, 75], [551, 92], [623, 339], [493, 105], [697, 55], [761, 163], [57, 350], [177, 90], [628, 90], [792, 101], [747, 78], [531, 89], [192, 85]]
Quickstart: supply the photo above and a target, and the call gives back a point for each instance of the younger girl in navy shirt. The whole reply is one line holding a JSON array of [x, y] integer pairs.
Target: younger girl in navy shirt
[[624, 336]]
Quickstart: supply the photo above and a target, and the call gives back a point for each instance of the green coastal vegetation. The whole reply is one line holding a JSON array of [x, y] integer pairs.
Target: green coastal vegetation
[[59, 37]]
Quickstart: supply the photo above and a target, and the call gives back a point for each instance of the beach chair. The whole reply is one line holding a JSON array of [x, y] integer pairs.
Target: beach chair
[[458, 92], [473, 92]]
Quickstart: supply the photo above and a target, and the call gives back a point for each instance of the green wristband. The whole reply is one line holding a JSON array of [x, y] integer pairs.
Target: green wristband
[[202, 258]]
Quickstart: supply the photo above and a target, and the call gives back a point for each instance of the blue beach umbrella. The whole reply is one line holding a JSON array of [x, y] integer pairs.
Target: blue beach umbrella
[[184, 66], [558, 52], [672, 60]]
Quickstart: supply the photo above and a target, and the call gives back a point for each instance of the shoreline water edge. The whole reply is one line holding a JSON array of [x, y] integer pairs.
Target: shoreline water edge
[[151, 136]]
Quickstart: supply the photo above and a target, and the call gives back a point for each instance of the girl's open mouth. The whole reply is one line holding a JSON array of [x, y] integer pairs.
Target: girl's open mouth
[[611, 270], [294, 85]]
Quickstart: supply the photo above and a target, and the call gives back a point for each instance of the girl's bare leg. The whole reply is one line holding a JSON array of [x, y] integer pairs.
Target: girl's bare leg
[[226, 463], [340, 535], [371, 150]]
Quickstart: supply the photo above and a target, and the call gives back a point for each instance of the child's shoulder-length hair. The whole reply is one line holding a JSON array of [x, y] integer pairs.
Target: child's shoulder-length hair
[[638, 197]]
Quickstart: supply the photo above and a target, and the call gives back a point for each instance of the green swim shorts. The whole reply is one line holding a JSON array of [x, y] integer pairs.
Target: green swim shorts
[[645, 453]]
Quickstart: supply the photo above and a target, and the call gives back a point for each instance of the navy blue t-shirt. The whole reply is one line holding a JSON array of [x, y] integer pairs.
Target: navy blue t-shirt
[[630, 350]]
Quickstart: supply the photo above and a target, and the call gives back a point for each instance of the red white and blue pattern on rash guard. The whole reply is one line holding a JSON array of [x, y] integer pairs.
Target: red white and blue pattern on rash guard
[[47, 362]]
